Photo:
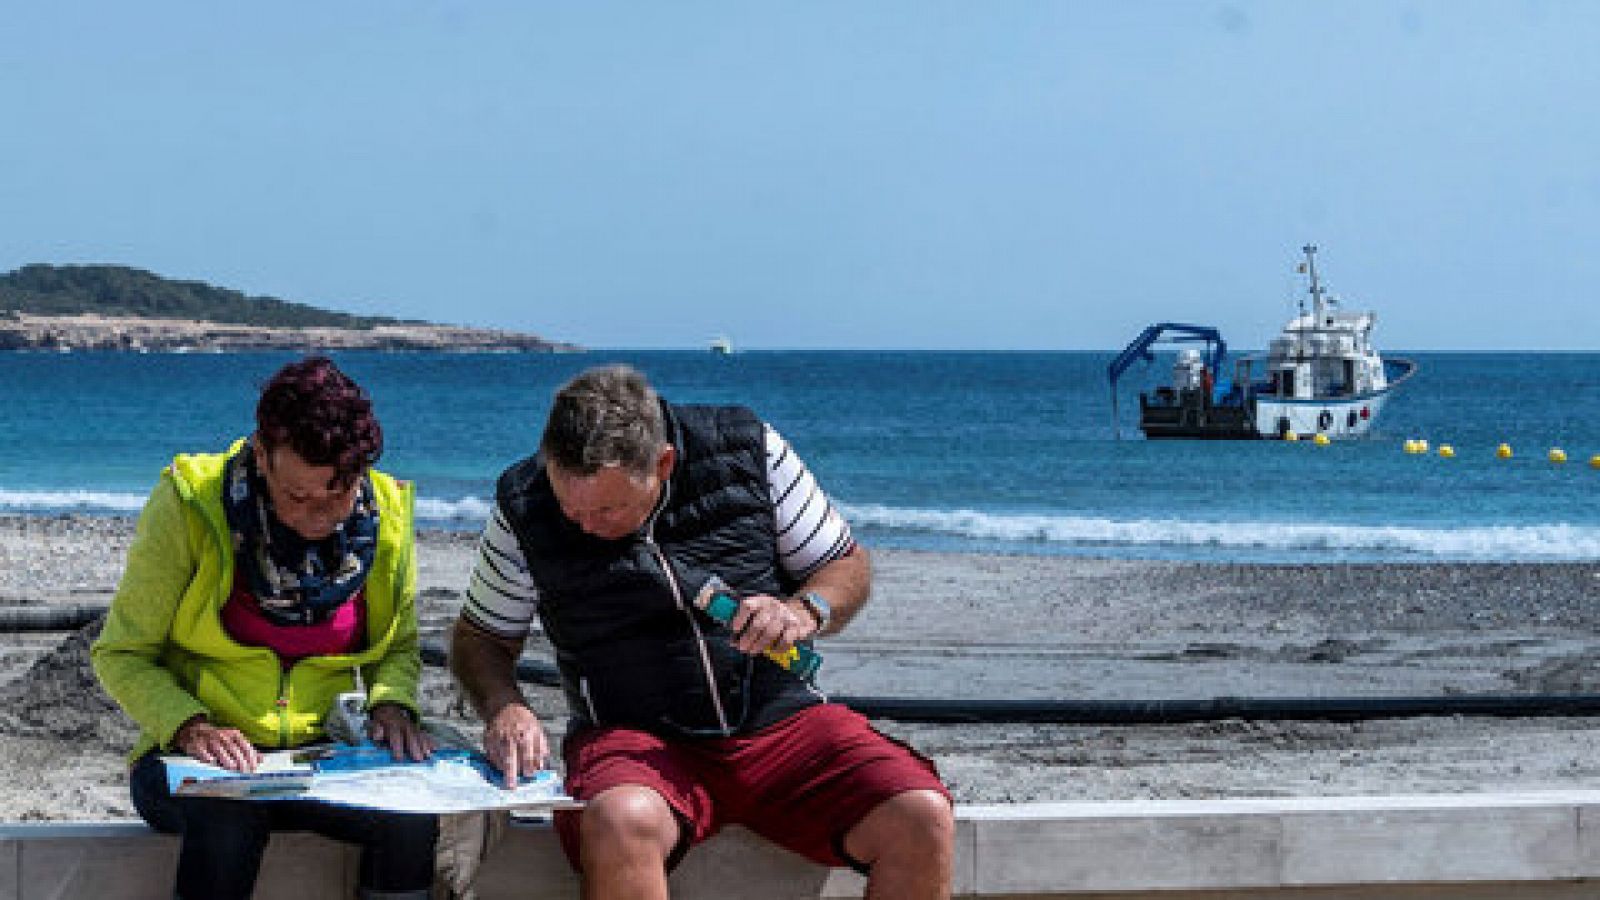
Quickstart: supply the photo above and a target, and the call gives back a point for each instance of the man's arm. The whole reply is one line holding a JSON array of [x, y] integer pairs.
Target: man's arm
[[765, 622], [845, 584], [486, 667]]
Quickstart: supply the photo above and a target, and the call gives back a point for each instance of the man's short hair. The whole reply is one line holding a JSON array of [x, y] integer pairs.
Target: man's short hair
[[607, 416]]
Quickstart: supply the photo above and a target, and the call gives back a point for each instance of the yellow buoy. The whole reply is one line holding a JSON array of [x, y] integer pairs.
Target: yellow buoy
[[1290, 436], [1321, 440], [1594, 461], [1503, 451], [1409, 446], [1422, 445], [1447, 451], [1557, 455]]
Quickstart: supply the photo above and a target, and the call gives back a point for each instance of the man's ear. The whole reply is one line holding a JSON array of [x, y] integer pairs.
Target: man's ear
[[665, 461]]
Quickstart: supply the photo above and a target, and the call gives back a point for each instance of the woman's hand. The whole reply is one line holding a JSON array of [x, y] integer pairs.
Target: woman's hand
[[225, 747], [391, 723]]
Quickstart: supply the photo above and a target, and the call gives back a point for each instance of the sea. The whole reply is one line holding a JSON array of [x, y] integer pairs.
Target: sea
[[1013, 453]]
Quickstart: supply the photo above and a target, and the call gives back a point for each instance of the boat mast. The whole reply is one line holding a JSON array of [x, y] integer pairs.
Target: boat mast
[[1317, 306]]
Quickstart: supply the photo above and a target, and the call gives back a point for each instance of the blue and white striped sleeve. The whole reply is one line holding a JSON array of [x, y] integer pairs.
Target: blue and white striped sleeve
[[811, 533], [501, 598]]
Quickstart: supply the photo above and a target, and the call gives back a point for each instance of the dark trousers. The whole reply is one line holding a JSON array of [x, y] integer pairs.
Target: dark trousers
[[223, 839]]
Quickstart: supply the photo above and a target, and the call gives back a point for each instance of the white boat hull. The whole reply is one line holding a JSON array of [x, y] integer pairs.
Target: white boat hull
[[1336, 417]]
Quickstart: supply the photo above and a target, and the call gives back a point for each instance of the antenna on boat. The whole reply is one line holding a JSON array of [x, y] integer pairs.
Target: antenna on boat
[[1318, 303]]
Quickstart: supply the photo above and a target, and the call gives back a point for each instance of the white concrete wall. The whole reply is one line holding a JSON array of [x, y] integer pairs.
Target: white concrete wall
[[1462, 847]]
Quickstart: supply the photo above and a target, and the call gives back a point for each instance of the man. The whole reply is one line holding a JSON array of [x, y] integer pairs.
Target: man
[[680, 725]]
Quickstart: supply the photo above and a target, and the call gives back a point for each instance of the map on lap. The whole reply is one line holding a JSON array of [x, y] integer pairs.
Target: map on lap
[[366, 775]]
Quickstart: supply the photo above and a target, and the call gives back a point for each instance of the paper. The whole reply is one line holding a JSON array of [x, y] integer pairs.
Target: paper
[[366, 775]]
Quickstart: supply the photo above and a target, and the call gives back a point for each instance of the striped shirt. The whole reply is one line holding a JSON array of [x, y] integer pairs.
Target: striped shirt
[[502, 599]]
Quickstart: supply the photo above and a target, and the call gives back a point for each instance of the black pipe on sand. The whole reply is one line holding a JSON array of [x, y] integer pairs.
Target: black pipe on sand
[[961, 711], [18, 619], [965, 711]]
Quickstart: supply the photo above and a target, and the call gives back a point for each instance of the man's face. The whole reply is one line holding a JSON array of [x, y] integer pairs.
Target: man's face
[[305, 497], [615, 501]]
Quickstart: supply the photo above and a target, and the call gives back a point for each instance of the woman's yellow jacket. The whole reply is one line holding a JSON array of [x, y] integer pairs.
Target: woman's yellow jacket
[[164, 656]]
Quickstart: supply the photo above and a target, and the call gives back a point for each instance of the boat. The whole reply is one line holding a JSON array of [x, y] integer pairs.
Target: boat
[[1320, 376], [721, 345]]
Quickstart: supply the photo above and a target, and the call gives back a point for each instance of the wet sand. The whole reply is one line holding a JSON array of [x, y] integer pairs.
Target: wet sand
[[1005, 627]]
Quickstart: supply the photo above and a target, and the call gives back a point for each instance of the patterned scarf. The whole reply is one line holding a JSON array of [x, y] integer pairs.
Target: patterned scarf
[[292, 578]]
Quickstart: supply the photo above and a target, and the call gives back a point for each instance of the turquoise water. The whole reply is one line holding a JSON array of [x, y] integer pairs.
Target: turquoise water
[[980, 451]]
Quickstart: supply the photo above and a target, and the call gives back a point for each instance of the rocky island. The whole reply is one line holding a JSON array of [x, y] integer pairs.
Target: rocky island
[[71, 308]]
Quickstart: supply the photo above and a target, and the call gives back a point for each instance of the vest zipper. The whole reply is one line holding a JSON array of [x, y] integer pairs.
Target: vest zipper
[[588, 700], [699, 637]]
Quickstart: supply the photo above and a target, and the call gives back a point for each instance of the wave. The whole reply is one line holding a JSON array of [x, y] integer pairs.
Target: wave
[[463, 510], [1046, 532], [1552, 542], [99, 502], [459, 511]]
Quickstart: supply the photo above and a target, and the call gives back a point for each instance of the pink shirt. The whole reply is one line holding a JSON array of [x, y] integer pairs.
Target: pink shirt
[[343, 632]]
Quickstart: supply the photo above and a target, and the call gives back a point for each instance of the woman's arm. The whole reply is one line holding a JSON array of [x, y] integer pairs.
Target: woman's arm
[[127, 656]]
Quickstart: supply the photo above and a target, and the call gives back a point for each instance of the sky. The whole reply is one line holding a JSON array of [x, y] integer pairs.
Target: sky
[[829, 174]]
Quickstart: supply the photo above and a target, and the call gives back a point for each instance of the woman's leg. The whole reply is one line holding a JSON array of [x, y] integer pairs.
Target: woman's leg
[[222, 839], [397, 849]]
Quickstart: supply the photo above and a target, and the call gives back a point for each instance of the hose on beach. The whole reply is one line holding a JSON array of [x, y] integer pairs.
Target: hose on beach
[[980, 711], [21, 619]]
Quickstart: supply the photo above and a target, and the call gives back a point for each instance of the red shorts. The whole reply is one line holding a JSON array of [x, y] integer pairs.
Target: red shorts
[[802, 783]]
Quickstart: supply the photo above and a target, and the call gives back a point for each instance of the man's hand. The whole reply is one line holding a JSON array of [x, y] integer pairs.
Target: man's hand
[[515, 743], [391, 723], [225, 747], [764, 623]]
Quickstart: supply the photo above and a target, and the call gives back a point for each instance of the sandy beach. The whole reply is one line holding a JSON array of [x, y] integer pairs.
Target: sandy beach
[[1003, 627]]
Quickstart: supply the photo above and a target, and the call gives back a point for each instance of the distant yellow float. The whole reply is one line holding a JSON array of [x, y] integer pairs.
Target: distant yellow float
[[1503, 451]]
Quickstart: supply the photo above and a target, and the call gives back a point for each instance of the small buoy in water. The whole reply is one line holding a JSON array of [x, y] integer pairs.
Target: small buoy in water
[[1557, 455], [1422, 445], [1503, 451], [1321, 440], [1410, 446], [1290, 436], [1447, 451], [1594, 461]]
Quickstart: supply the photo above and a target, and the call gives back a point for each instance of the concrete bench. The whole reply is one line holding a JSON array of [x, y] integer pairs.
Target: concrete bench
[[1464, 847]]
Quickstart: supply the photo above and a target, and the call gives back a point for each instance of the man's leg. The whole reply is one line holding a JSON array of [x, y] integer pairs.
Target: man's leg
[[828, 786], [628, 833], [645, 806], [908, 844]]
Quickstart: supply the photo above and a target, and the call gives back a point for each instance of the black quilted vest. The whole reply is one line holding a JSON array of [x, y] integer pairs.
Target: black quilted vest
[[631, 647]]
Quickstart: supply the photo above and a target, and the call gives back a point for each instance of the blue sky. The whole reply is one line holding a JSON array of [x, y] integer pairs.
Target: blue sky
[[990, 176]]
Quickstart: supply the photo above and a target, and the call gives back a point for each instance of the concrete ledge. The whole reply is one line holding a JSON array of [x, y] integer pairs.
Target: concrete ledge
[[1465, 847]]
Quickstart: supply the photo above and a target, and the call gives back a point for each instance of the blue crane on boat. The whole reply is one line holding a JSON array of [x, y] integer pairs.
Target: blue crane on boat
[[1139, 349]]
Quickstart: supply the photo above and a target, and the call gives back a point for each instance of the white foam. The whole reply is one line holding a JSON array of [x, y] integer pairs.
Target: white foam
[[102, 502], [1486, 542], [474, 510], [465, 509]]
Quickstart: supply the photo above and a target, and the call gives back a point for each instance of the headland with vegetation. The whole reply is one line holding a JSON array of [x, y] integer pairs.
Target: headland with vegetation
[[119, 308]]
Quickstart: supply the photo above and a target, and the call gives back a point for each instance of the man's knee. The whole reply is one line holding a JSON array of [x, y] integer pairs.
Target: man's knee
[[629, 817], [919, 822]]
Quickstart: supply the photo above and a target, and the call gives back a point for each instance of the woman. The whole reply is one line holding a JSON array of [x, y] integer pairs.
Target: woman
[[262, 583]]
